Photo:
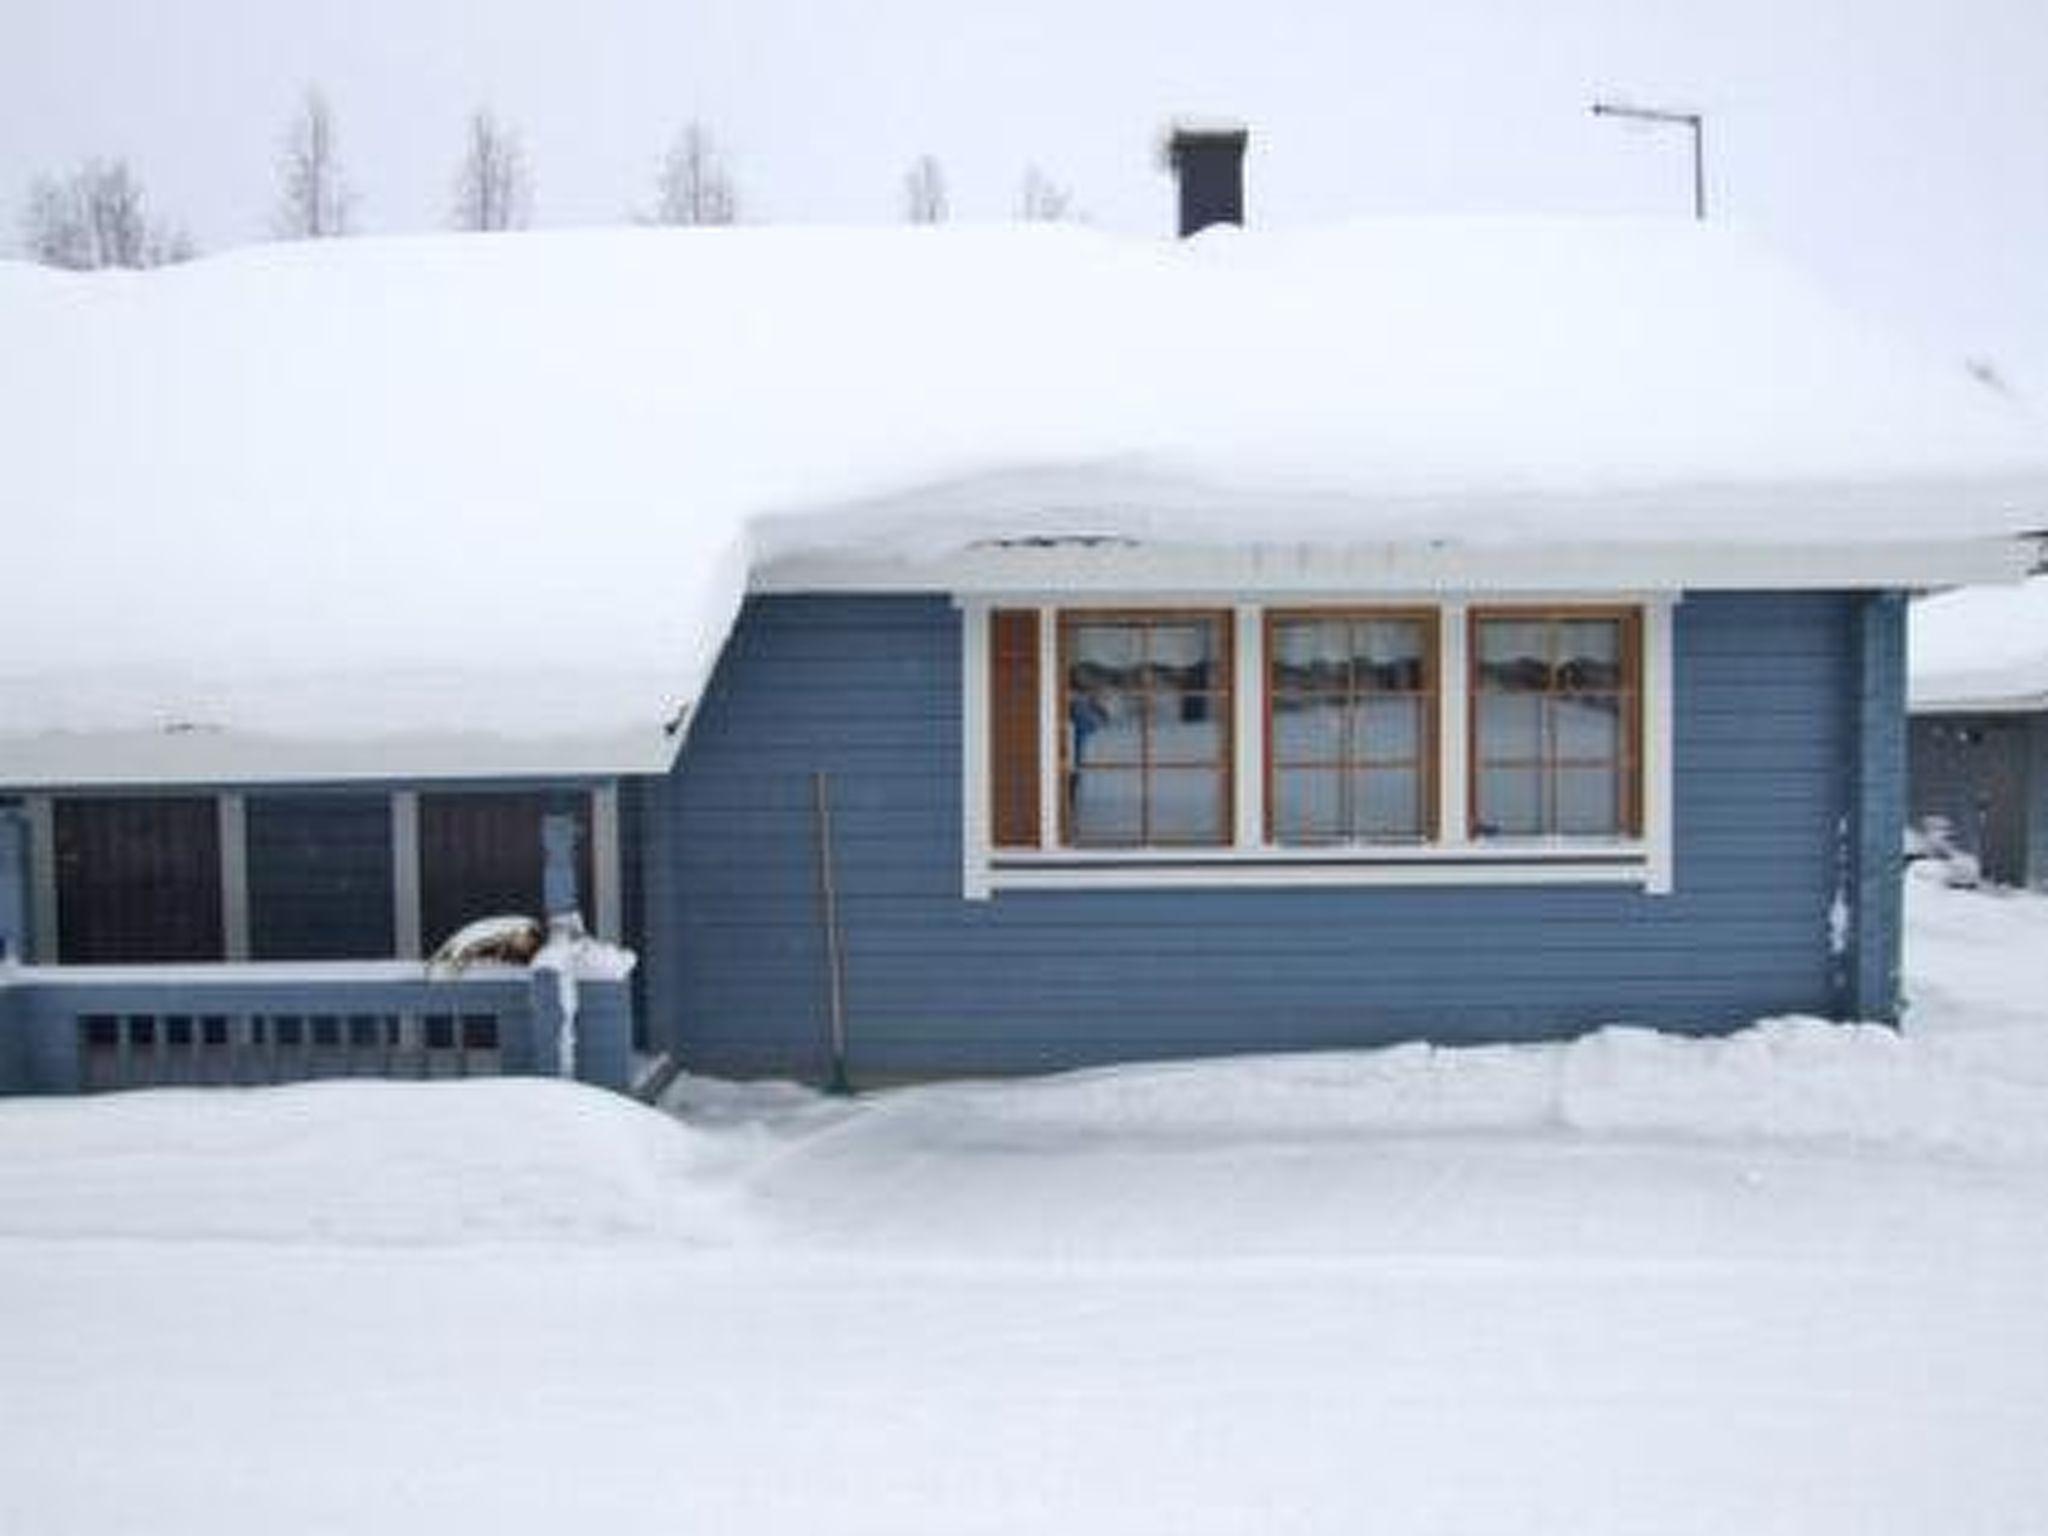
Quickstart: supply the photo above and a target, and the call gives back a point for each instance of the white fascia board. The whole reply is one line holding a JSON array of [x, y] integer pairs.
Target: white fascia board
[[1963, 704], [114, 759], [1393, 571]]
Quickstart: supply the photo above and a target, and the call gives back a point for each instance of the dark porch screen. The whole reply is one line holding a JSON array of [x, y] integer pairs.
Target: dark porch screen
[[480, 856], [320, 877], [138, 879]]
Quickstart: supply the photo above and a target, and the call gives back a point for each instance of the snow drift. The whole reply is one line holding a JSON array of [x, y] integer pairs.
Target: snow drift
[[397, 495]]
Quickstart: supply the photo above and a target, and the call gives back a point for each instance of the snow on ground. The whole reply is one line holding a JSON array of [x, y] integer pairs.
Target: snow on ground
[[1787, 1282]]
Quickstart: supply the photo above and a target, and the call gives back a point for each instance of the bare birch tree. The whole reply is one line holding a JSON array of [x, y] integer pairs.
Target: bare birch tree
[[1042, 199], [493, 187], [692, 185], [98, 217], [924, 191], [314, 202]]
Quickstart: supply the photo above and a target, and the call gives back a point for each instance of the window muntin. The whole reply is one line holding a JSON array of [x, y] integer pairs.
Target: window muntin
[[1145, 706], [1351, 735], [1556, 723]]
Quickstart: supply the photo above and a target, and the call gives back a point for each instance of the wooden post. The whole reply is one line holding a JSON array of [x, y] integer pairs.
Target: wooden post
[[835, 952]]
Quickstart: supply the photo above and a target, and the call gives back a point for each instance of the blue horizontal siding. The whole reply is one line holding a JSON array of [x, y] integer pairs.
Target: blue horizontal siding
[[867, 689]]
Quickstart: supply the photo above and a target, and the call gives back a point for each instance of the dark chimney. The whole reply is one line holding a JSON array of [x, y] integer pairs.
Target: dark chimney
[[1208, 161]]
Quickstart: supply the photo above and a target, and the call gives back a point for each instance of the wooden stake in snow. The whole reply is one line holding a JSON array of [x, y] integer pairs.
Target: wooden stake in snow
[[835, 949]]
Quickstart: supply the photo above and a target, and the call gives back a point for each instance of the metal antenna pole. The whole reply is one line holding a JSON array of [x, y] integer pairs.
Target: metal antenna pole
[[1696, 121]]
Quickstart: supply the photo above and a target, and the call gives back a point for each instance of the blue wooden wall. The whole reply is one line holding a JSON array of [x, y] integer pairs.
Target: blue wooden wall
[[1775, 813]]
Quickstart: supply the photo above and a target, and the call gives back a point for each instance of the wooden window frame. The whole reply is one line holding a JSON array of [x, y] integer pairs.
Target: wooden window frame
[[1428, 765], [1642, 857], [1630, 770], [1225, 692]]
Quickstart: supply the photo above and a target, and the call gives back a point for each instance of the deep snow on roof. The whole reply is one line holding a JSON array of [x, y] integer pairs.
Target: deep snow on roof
[[1982, 647], [389, 493]]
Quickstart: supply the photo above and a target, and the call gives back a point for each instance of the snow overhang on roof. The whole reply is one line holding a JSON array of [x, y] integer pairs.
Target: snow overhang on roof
[[1981, 651], [490, 503]]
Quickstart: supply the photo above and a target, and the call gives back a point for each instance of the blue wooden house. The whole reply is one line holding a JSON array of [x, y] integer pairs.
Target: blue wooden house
[[960, 651]]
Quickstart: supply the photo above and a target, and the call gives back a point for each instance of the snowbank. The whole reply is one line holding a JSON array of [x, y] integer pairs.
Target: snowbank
[[350, 1162], [1981, 648], [1791, 1079], [461, 501]]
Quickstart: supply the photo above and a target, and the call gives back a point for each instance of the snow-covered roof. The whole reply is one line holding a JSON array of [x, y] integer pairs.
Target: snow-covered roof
[[465, 502], [1981, 648]]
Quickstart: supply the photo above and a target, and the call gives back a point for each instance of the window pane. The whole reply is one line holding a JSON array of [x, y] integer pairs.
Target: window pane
[[1589, 654], [1105, 654], [1510, 802], [1510, 728], [1308, 729], [1390, 654], [1387, 803], [1183, 655], [1307, 806], [1186, 728], [1187, 805], [1514, 654], [1106, 806], [1107, 727], [1588, 802], [1586, 728], [1387, 730], [1312, 653]]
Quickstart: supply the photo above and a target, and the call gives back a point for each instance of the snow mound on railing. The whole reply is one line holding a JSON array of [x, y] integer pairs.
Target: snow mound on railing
[[353, 1162]]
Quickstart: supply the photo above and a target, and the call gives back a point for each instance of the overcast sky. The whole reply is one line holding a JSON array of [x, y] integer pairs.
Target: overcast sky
[[1898, 149]]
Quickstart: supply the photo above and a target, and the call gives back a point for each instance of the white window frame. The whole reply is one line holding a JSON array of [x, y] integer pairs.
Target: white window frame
[[1249, 858]]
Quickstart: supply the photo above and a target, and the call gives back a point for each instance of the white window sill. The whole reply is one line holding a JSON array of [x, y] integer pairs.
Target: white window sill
[[1549, 861]]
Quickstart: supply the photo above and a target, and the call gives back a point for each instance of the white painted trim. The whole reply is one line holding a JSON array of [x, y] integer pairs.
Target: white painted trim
[[1454, 724], [1249, 860], [44, 943], [405, 873], [1052, 729], [1228, 875], [234, 875], [1248, 727], [607, 900], [1228, 572], [1659, 779], [974, 780]]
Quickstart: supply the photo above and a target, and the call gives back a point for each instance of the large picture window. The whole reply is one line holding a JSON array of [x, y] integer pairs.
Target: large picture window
[[1352, 727], [1556, 712], [1146, 704]]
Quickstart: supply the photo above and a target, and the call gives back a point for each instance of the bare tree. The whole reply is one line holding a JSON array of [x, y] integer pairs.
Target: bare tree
[[924, 191], [313, 201], [1043, 199], [692, 185], [97, 217], [493, 187]]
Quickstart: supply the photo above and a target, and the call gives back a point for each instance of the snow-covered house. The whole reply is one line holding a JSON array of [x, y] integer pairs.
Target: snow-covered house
[[997, 648], [1979, 735]]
